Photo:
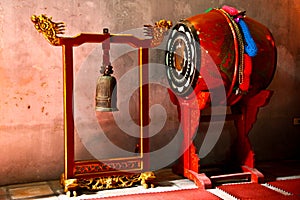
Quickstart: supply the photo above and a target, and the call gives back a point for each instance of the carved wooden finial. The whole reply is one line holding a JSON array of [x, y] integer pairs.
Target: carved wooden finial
[[48, 28], [158, 31]]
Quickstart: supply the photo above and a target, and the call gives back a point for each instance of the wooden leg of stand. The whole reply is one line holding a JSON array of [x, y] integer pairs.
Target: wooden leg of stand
[[191, 167], [189, 161], [249, 109]]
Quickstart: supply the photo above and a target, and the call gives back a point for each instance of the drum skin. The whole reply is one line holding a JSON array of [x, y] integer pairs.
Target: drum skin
[[204, 54]]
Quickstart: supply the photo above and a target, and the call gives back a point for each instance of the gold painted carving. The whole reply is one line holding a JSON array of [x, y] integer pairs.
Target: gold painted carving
[[121, 181], [158, 31], [107, 166], [109, 182], [48, 28], [70, 185]]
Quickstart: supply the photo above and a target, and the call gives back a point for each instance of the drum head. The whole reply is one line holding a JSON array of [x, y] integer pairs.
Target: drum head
[[183, 58]]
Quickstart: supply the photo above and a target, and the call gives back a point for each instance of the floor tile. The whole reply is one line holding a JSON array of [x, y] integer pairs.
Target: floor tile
[[4, 198], [184, 184], [56, 187], [3, 193], [26, 184], [48, 198], [31, 191]]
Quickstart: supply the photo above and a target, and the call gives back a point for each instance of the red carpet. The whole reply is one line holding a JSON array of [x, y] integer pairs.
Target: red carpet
[[188, 194], [249, 191], [292, 186], [254, 191]]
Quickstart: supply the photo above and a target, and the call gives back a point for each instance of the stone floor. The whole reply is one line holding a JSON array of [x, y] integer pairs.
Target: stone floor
[[166, 181]]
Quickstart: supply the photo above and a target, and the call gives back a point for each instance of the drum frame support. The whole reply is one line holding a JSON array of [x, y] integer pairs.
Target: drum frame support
[[244, 114]]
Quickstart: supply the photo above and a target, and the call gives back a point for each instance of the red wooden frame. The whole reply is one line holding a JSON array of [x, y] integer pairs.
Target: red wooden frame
[[72, 168]]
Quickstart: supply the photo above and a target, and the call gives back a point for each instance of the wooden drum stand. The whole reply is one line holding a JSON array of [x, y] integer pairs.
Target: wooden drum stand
[[244, 115]]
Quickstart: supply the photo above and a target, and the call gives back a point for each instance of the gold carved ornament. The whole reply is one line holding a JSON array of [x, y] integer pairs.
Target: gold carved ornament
[[118, 181], [50, 30], [158, 31], [108, 182]]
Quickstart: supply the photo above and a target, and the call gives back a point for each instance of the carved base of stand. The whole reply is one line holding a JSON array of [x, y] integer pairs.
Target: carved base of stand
[[107, 182], [70, 186], [248, 174], [204, 182], [256, 176], [201, 180]]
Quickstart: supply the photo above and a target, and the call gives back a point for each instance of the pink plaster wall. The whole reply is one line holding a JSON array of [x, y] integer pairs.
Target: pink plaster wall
[[31, 120]]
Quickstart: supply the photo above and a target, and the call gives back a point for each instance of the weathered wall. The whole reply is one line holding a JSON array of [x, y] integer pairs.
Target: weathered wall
[[31, 120]]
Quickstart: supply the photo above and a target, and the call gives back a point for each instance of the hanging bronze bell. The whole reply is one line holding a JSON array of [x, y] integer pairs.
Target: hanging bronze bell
[[106, 91]]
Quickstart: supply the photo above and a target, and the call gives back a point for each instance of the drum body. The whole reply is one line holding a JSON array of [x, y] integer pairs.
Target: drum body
[[204, 54]]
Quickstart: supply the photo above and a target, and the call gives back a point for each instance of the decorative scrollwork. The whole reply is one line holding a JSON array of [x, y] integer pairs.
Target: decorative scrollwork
[[108, 182], [107, 166], [48, 28], [117, 181], [158, 31], [70, 185]]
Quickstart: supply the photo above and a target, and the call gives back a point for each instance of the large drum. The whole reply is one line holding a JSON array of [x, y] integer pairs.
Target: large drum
[[206, 52]]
